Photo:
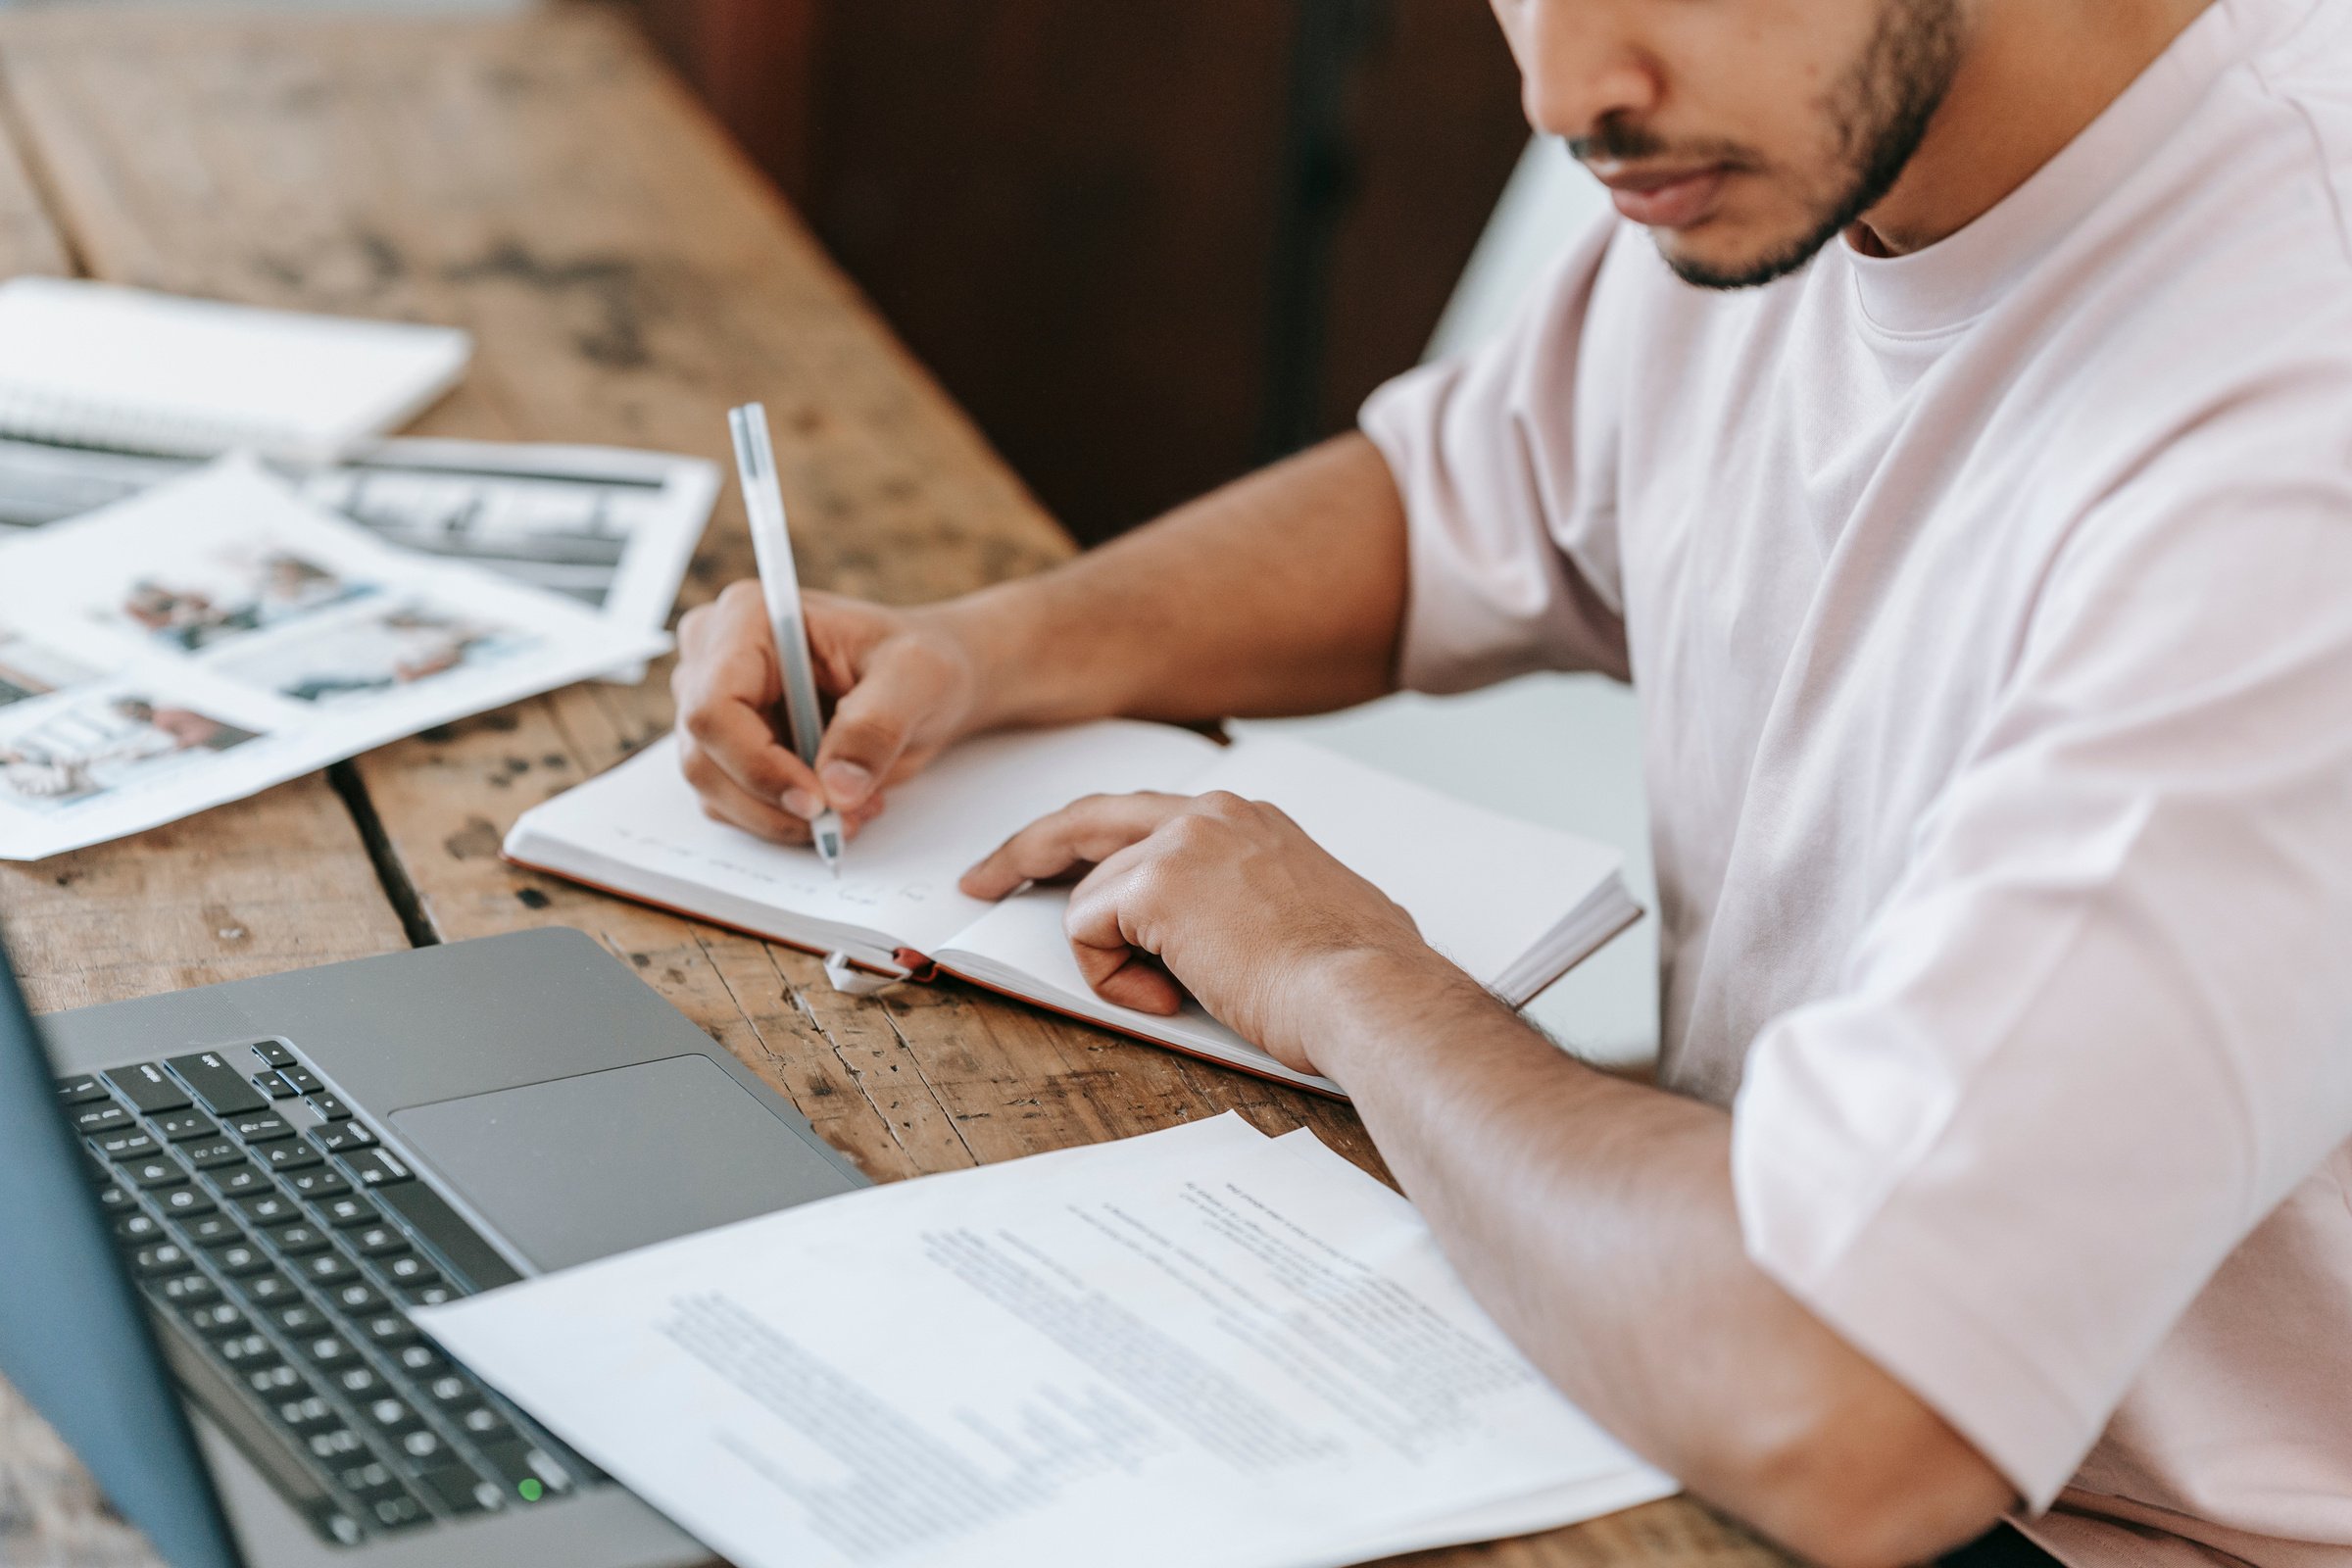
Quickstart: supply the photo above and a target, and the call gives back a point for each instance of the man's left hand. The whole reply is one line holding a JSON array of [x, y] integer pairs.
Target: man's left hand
[[1225, 898]]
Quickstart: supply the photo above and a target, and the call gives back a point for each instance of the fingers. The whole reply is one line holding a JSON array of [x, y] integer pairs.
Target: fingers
[[1087, 831], [1111, 955], [871, 724], [726, 686], [725, 801]]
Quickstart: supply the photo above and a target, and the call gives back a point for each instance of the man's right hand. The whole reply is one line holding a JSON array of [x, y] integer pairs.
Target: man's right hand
[[901, 685]]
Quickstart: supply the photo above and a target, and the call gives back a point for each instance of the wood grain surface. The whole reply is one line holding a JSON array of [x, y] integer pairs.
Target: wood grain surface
[[545, 184]]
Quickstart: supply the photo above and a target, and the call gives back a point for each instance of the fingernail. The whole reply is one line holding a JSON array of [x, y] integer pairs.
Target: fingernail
[[801, 804], [846, 783]]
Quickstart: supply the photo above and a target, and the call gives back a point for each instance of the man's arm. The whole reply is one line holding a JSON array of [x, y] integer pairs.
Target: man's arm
[[1595, 1218], [1281, 593]]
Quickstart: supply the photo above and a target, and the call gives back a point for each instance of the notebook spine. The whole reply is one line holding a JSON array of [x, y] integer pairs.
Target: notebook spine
[[40, 415]]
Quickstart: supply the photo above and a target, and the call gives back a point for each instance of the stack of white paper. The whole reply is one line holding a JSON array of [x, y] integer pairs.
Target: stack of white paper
[[215, 635], [1197, 1346]]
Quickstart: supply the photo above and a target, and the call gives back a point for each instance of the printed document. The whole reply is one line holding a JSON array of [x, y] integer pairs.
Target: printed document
[[216, 634], [1199, 1346]]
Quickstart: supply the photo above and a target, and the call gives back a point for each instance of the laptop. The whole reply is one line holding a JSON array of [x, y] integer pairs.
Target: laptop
[[221, 1205]]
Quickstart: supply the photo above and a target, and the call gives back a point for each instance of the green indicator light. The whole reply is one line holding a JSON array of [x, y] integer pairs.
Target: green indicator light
[[532, 1491]]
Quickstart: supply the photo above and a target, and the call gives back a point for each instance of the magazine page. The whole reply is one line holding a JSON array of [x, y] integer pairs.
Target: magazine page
[[214, 635], [610, 527]]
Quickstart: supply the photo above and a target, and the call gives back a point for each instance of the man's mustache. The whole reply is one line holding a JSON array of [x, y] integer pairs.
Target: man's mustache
[[1618, 140]]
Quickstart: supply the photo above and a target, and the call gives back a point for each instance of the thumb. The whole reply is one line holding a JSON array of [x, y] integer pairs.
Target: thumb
[[872, 727]]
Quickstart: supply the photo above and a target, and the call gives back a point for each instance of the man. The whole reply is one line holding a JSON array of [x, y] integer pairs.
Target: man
[[1953, 442]]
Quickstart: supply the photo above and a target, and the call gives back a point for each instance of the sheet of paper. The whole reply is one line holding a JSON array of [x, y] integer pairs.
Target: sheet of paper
[[610, 527], [215, 635], [1200, 1346], [899, 875]]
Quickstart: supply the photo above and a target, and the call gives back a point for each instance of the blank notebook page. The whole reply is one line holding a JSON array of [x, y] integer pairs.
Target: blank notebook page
[[102, 364]]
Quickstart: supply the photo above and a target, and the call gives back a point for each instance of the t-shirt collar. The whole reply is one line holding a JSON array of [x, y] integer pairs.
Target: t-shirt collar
[[1958, 278]]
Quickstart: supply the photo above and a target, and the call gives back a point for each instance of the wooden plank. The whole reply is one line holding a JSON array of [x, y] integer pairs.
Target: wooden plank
[[627, 276]]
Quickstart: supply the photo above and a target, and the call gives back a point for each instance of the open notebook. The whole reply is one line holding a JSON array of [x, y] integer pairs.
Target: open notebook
[[1516, 906], [98, 364]]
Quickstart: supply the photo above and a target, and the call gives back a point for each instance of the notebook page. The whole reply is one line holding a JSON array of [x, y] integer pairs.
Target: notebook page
[[1484, 888], [899, 875], [99, 363]]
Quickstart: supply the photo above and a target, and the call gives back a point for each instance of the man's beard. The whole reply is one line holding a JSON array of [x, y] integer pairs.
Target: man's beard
[[1879, 113]]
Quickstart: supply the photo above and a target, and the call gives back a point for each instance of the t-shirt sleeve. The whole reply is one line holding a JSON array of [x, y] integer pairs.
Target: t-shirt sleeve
[[2098, 1031], [1505, 458]]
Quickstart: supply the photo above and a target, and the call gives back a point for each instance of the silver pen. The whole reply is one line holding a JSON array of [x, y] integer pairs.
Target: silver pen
[[780, 585]]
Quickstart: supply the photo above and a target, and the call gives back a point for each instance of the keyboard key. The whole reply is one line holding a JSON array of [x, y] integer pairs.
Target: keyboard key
[[299, 1318], [269, 1289], [146, 1087], [272, 1382], [271, 1209], [423, 1447], [318, 1184], [138, 1229], [215, 1319], [272, 1086], [432, 1294], [125, 1143], [222, 1088], [300, 1240], [378, 1241], [187, 1289], [181, 1126], [211, 1230], [343, 1213], [79, 1088], [159, 1170], [242, 1260], [420, 1362], [329, 1107], [329, 1350], [261, 1126], [100, 1117], [115, 1198], [247, 1349], [375, 1167], [457, 1489], [241, 1180], [410, 1269], [403, 1512], [526, 1472], [389, 1329], [360, 1382], [289, 1155], [368, 1480], [307, 1413], [484, 1424], [341, 1136], [160, 1260], [272, 1053], [302, 1080], [213, 1153], [335, 1443], [186, 1202], [453, 1391], [327, 1270], [356, 1298], [391, 1415]]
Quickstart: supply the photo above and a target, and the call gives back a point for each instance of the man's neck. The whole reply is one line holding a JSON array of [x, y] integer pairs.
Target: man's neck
[[2035, 75]]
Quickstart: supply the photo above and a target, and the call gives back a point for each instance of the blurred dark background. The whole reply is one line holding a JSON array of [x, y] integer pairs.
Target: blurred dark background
[[1148, 244]]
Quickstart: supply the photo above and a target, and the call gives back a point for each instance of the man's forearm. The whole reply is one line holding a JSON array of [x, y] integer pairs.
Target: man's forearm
[[1595, 1218], [1281, 593]]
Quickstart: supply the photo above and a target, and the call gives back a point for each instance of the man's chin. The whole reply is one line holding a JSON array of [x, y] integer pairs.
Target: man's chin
[[1716, 255]]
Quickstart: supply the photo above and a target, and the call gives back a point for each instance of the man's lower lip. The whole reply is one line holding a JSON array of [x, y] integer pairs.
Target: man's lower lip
[[1675, 206]]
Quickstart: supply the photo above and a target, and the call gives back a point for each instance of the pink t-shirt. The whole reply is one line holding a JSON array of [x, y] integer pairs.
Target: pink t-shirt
[[1992, 609]]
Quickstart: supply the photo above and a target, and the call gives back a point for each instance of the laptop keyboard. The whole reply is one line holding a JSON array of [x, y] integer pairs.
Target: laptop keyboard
[[281, 1245]]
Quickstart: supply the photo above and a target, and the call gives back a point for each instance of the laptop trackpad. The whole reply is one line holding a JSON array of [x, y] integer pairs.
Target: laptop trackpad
[[577, 1168]]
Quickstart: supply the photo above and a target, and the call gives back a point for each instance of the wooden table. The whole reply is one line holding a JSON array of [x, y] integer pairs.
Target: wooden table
[[627, 276]]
